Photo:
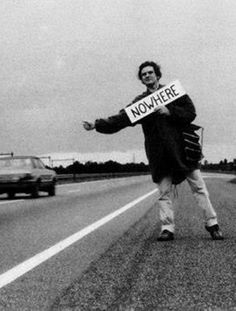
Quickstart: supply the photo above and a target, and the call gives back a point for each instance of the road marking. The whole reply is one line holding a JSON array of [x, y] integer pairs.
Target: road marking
[[24, 267], [9, 202]]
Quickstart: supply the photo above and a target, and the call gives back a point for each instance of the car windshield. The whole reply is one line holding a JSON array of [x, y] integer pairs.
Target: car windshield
[[15, 163]]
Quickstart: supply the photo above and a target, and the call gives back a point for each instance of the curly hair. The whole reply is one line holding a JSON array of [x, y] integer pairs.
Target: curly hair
[[157, 69]]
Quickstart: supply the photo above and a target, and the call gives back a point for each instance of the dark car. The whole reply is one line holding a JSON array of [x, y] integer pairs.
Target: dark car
[[25, 174]]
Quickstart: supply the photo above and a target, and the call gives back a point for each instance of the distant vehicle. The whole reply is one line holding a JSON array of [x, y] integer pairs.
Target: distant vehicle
[[25, 174]]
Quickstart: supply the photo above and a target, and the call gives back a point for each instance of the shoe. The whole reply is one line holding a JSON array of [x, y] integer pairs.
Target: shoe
[[166, 236], [215, 232]]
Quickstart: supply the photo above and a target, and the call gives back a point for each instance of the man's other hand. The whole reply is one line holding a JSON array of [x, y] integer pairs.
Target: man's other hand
[[88, 126], [163, 110]]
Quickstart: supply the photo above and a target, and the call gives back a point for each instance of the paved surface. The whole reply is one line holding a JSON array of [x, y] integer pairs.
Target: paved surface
[[119, 266], [28, 227], [191, 273]]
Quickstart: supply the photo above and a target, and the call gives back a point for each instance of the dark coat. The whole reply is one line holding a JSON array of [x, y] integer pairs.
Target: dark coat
[[164, 140]]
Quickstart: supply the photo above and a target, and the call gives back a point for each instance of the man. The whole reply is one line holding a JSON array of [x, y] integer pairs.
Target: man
[[172, 150]]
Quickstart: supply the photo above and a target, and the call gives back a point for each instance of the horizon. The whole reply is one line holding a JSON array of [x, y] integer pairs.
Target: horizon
[[131, 156]]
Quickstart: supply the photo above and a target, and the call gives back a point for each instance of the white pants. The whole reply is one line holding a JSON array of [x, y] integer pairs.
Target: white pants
[[200, 194]]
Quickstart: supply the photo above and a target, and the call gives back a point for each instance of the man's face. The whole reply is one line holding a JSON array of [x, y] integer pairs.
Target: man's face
[[148, 76]]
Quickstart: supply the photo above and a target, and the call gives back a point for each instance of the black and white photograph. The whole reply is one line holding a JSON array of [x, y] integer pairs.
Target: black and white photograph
[[117, 155]]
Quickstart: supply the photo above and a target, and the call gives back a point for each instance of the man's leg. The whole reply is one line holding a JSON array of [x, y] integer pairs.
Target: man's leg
[[201, 195], [166, 209]]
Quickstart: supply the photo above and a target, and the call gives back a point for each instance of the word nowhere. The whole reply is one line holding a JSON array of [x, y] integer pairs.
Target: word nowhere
[[162, 97]]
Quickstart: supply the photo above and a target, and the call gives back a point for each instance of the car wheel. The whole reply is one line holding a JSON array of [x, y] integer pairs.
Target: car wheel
[[11, 195], [52, 190], [35, 191]]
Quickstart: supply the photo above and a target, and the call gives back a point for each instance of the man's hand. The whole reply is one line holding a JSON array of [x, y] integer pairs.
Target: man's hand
[[162, 110], [88, 126]]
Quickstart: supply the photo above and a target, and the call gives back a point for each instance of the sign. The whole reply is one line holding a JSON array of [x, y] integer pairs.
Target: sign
[[162, 97]]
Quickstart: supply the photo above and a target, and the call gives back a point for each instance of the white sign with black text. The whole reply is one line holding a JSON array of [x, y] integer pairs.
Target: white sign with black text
[[162, 97]]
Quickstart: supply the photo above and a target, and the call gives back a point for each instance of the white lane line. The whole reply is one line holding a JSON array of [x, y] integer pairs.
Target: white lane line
[[9, 202], [24, 267]]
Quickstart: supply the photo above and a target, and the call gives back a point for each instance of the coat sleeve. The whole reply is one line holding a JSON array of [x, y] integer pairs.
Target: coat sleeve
[[182, 111], [113, 124]]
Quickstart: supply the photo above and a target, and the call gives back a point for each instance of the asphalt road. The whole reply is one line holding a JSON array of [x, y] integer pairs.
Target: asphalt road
[[116, 263]]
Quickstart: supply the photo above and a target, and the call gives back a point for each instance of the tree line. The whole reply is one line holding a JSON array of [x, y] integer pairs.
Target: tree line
[[116, 167], [101, 167], [223, 165]]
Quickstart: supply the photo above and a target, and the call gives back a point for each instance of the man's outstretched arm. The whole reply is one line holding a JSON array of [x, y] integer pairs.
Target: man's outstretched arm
[[109, 125]]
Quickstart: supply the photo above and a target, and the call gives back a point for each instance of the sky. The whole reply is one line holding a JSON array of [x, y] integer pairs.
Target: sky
[[65, 61]]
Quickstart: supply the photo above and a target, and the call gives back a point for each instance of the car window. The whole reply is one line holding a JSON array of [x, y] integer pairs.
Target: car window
[[35, 164], [38, 164], [27, 162], [15, 163], [5, 163]]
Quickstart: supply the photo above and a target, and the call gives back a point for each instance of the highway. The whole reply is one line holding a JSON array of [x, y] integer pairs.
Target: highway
[[93, 247]]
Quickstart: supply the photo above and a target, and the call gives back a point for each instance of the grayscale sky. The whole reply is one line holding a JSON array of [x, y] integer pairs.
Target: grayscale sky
[[64, 61]]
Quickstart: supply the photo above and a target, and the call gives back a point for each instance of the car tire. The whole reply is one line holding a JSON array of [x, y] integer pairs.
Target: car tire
[[35, 191], [52, 190], [11, 195]]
